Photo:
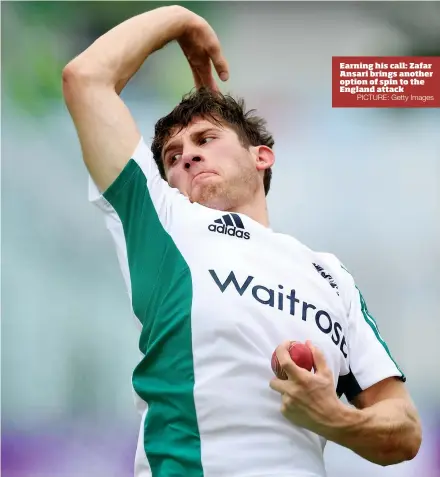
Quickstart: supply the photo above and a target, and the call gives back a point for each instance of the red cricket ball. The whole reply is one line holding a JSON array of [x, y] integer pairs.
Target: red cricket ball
[[300, 354]]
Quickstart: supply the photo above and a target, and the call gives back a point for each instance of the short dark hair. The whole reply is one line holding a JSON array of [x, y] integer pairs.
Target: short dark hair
[[218, 108]]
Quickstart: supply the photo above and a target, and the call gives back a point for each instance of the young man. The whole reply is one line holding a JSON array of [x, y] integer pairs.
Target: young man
[[216, 290]]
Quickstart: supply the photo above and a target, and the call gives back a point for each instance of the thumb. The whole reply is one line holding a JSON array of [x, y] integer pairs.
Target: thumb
[[319, 362]]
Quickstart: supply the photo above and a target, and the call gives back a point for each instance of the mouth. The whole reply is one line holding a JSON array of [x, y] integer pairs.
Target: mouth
[[202, 175]]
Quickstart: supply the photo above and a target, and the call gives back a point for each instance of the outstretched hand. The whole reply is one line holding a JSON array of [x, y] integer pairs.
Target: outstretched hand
[[202, 49], [309, 399]]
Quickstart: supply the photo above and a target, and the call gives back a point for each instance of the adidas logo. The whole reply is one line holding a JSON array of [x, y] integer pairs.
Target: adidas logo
[[230, 224]]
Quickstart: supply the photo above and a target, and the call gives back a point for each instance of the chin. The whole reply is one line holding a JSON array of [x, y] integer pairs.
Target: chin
[[215, 203], [211, 196]]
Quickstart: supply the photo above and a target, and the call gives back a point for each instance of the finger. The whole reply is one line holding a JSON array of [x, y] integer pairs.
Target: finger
[[212, 83], [199, 82], [197, 79], [219, 61], [279, 385], [292, 370], [204, 71], [319, 361], [209, 82]]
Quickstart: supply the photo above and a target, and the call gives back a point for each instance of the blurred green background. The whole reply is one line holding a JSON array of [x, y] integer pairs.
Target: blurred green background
[[361, 183]]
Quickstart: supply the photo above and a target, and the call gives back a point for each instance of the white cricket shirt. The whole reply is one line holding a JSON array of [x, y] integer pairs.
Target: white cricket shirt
[[215, 294]]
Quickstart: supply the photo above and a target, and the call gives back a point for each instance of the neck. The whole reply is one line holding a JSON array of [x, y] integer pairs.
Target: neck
[[256, 210]]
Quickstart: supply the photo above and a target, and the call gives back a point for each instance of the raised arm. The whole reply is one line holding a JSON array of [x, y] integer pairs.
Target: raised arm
[[93, 81]]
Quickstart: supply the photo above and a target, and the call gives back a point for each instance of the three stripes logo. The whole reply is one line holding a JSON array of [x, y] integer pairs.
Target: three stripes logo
[[230, 224]]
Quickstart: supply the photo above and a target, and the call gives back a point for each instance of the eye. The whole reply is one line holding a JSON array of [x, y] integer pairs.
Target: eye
[[205, 140], [174, 158]]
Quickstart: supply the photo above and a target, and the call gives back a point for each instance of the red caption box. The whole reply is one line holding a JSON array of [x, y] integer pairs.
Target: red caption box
[[386, 81]]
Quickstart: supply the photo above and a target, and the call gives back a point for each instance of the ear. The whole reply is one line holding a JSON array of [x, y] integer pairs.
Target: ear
[[264, 157]]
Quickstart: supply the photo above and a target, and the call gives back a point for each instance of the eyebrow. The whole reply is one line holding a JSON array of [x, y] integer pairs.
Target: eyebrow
[[193, 135]]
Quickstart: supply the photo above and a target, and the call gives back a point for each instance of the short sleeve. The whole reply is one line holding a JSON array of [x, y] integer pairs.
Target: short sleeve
[[370, 359], [139, 209]]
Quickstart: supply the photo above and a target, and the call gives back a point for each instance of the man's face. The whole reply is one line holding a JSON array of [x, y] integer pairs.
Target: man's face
[[209, 165]]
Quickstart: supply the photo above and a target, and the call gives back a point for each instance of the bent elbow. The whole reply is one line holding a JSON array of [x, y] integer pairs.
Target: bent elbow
[[414, 443], [414, 440], [71, 78], [403, 451], [78, 76], [70, 72], [73, 75]]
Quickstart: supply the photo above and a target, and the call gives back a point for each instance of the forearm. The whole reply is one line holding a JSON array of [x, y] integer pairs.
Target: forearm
[[116, 56], [386, 433]]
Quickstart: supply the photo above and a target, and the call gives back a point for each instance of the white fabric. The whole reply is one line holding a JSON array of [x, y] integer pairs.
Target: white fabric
[[278, 294]]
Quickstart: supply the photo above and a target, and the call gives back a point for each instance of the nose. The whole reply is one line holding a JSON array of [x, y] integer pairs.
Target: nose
[[188, 160]]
